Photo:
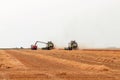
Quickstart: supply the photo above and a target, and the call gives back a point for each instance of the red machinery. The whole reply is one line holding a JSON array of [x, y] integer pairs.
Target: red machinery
[[49, 45]]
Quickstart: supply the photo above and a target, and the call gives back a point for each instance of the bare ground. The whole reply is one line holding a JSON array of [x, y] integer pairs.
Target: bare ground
[[59, 65]]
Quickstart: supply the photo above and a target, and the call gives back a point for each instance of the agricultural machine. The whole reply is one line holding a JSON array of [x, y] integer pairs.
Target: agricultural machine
[[49, 45], [72, 46]]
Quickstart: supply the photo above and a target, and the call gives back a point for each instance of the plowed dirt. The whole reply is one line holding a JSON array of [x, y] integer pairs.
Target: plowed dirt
[[59, 65]]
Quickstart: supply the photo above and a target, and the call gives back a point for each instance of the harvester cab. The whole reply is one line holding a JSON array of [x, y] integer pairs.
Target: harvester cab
[[49, 45], [72, 46]]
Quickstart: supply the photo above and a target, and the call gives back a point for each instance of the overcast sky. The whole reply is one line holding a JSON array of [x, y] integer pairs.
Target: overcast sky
[[92, 23]]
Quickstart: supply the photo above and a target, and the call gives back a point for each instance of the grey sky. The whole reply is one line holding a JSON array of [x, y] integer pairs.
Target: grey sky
[[92, 23]]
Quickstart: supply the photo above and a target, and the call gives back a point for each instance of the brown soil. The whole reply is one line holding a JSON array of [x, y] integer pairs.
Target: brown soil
[[59, 65]]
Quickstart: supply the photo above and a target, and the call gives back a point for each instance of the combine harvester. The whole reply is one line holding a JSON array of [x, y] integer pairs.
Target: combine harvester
[[72, 46], [49, 45]]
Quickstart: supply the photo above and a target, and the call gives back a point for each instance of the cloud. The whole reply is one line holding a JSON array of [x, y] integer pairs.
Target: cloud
[[94, 23]]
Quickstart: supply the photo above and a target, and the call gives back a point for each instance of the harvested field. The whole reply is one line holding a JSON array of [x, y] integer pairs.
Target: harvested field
[[59, 65]]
